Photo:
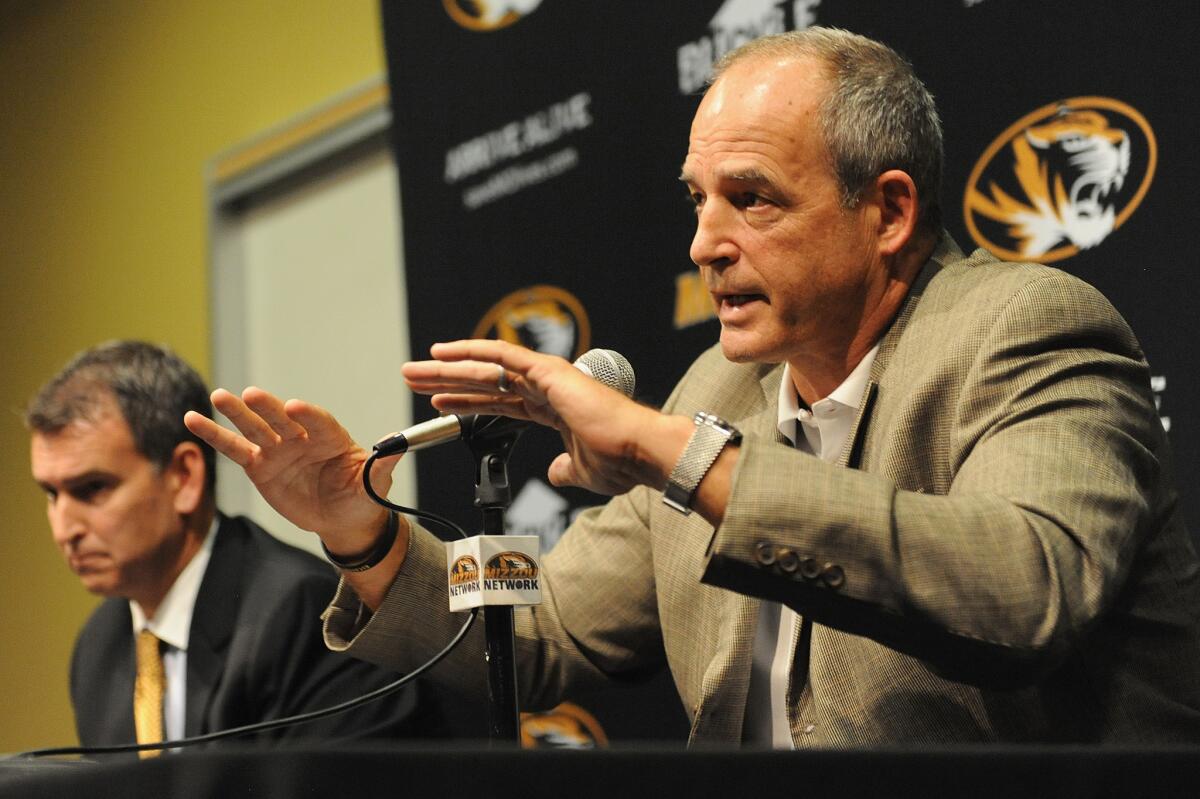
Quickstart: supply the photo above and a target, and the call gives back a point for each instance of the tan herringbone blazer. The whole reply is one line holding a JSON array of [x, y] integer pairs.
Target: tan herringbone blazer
[[1002, 560]]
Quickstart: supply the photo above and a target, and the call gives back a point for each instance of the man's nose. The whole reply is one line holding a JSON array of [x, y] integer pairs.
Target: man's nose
[[713, 244], [66, 520]]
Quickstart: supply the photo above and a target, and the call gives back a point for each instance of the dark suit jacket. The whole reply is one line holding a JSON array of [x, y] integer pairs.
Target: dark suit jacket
[[1003, 561], [255, 652]]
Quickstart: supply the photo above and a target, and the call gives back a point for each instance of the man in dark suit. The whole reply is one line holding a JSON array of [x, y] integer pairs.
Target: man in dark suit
[[236, 613]]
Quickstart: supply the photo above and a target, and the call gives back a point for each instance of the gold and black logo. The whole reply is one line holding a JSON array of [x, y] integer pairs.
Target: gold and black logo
[[543, 318], [1060, 179], [511, 571], [464, 570], [488, 15], [567, 726], [510, 565]]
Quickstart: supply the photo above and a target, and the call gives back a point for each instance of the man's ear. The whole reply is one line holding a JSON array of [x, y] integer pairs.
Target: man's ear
[[188, 472], [896, 195]]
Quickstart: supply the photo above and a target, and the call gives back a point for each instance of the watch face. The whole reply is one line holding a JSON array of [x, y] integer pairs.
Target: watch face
[[712, 420]]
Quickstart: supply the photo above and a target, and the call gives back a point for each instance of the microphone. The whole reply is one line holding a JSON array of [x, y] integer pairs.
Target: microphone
[[606, 366]]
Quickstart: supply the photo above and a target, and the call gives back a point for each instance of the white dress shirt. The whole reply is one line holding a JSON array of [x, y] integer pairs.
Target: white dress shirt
[[826, 426], [172, 623]]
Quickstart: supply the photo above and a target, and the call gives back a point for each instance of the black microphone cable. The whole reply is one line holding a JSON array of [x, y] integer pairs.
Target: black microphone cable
[[300, 718]]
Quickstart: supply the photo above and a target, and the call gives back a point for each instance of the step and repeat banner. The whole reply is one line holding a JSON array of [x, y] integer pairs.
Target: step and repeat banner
[[539, 144]]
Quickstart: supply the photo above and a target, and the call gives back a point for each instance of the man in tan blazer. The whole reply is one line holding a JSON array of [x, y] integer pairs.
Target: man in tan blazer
[[911, 497]]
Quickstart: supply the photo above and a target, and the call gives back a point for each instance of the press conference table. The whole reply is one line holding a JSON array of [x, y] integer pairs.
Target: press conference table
[[478, 771]]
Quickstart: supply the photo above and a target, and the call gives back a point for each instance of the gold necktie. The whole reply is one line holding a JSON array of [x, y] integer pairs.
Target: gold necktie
[[148, 690]]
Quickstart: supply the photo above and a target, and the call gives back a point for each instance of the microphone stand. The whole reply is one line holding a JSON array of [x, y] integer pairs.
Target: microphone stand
[[491, 444]]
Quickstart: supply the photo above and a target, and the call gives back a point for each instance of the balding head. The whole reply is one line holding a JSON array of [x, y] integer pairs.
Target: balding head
[[876, 116]]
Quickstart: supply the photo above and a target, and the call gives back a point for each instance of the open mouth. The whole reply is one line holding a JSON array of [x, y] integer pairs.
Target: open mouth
[[731, 303]]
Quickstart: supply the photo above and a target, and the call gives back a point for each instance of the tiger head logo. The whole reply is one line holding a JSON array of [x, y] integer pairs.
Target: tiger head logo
[[567, 726], [464, 570], [508, 565], [488, 15], [544, 318], [1057, 181]]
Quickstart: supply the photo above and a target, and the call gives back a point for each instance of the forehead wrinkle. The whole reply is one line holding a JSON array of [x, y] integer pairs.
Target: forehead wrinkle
[[742, 162], [744, 143], [746, 174], [748, 135]]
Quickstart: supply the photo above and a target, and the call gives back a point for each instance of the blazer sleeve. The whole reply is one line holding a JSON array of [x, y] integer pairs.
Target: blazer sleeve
[[597, 621], [1051, 448]]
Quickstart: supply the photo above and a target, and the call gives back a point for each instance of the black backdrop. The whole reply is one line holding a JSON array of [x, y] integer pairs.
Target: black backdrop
[[539, 143]]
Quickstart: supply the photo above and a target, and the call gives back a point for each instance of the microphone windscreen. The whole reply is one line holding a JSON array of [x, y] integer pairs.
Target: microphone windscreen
[[610, 368]]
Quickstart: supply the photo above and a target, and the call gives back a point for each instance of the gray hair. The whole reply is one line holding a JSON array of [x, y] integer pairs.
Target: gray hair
[[877, 115], [151, 386]]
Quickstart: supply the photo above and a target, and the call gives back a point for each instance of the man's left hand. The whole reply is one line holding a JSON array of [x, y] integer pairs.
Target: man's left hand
[[612, 443]]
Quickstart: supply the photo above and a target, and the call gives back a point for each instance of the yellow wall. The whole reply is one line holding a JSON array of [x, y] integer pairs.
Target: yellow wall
[[108, 113]]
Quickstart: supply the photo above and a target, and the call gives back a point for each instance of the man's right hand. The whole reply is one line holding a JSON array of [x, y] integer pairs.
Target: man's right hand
[[305, 465]]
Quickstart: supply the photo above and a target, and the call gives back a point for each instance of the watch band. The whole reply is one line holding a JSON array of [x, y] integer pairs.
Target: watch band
[[711, 435], [373, 556]]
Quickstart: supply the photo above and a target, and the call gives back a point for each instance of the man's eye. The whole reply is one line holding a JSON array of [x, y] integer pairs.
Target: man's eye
[[89, 492], [749, 200], [695, 199]]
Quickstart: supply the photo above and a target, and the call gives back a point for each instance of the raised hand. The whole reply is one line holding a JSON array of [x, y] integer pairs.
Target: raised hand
[[609, 440], [302, 461]]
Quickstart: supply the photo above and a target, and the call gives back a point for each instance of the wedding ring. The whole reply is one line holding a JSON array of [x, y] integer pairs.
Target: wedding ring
[[502, 381]]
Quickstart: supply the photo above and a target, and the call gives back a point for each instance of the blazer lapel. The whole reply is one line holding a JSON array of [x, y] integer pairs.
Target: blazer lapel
[[125, 672], [111, 718], [213, 619], [945, 252]]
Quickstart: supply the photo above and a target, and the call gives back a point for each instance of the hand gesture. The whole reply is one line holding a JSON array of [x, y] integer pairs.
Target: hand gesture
[[609, 439], [302, 461]]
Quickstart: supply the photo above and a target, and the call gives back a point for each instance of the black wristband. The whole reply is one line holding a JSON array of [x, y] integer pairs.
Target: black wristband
[[372, 557]]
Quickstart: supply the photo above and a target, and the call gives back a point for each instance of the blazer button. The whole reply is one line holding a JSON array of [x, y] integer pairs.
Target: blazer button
[[764, 553], [810, 569], [789, 561], [833, 575]]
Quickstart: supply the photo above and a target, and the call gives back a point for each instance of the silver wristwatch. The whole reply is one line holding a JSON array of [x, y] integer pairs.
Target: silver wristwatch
[[711, 435]]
